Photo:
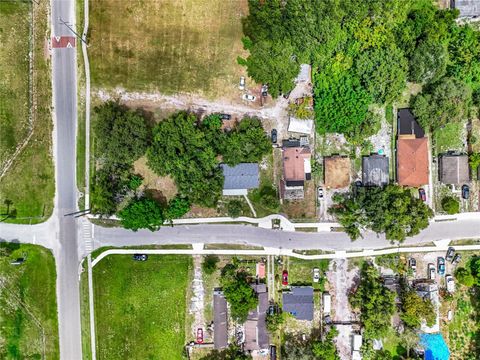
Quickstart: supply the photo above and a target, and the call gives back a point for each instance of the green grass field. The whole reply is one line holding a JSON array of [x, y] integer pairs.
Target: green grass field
[[29, 183], [167, 45], [28, 311], [14, 67], [449, 138], [140, 307]]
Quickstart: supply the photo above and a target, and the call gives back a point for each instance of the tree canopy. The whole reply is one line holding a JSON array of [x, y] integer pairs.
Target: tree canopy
[[361, 52], [238, 292], [141, 213], [375, 301], [451, 205], [415, 309], [391, 210], [121, 135]]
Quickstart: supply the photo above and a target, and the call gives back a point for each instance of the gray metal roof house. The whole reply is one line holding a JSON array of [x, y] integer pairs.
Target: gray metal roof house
[[375, 170], [467, 8], [408, 125], [299, 302], [240, 178], [220, 327], [453, 169], [256, 333]]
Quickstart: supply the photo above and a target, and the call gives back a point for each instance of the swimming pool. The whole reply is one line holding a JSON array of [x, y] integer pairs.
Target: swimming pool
[[435, 347]]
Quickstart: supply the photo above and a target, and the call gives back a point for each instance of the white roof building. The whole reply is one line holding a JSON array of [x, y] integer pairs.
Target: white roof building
[[300, 126]]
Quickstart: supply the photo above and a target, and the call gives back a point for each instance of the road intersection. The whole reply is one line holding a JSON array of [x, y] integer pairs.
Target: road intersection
[[71, 239]]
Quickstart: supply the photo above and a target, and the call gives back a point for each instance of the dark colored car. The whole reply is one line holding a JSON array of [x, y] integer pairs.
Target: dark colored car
[[412, 263], [450, 254], [422, 194], [358, 183], [285, 277], [273, 352], [140, 257], [441, 266], [18, 261], [274, 136], [456, 259], [225, 116], [465, 192]]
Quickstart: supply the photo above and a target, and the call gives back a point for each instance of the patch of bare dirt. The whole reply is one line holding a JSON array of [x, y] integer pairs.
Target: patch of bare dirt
[[163, 184]]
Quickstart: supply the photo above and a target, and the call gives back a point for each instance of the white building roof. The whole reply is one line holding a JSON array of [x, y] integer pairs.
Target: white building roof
[[300, 126]]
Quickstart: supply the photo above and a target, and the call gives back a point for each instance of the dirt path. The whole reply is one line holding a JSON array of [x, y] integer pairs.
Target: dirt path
[[341, 280], [197, 301]]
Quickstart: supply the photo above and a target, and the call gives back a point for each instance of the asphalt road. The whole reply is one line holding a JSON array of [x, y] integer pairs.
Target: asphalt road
[[246, 234], [65, 111]]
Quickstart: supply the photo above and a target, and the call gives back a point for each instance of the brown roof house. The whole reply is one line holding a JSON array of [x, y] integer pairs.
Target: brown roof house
[[296, 170], [337, 172], [453, 169], [256, 333], [412, 161]]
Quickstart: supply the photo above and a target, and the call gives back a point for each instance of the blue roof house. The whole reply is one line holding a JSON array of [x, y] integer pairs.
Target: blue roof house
[[240, 178]]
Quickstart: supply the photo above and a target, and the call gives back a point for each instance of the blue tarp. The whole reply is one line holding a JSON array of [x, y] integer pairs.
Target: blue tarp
[[435, 347]]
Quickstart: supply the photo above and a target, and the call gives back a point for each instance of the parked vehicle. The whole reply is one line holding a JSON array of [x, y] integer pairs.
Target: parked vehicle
[[225, 116], [450, 283], [450, 254], [422, 194], [320, 193], [413, 265], [140, 257], [316, 275], [199, 336], [273, 352], [358, 183], [456, 259], [264, 90], [465, 192], [241, 86], [274, 136], [248, 97], [431, 271], [441, 266], [285, 278], [286, 95], [18, 261]]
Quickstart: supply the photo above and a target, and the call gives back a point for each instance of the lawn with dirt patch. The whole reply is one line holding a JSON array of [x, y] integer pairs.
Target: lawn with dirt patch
[[28, 310], [29, 182], [140, 307], [167, 46], [452, 137]]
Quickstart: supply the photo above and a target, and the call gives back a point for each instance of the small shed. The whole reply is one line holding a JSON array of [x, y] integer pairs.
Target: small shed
[[240, 178], [301, 126], [356, 342], [375, 170], [327, 303], [453, 169]]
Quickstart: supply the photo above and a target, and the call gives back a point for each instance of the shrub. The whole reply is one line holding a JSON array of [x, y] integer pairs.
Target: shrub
[[209, 264], [451, 205], [234, 208]]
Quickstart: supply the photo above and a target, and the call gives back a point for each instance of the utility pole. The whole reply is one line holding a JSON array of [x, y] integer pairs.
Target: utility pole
[[71, 29]]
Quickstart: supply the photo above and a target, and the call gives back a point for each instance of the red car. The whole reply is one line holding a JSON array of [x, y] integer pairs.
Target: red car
[[285, 277], [199, 336]]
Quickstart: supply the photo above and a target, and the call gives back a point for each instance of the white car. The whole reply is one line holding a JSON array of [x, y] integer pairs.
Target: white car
[[320, 193], [450, 283], [241, 86], [248, 97], [431, 271], [316, 275]]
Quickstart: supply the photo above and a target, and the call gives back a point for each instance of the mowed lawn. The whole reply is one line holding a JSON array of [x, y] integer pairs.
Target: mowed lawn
[[140, 307], [28, 311], [167, 45], [29, 183]]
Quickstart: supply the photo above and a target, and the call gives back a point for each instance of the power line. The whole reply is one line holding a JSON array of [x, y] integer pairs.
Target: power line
[[71, 29]]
